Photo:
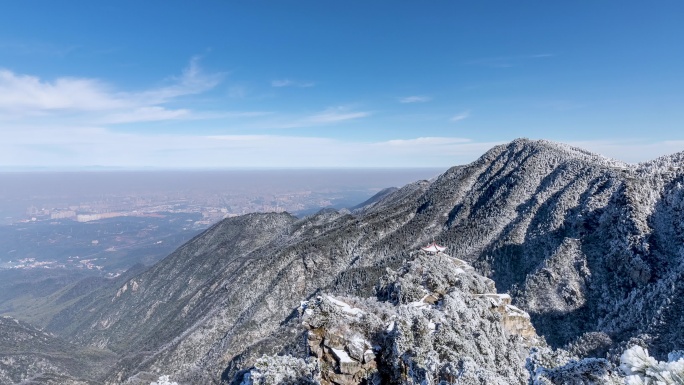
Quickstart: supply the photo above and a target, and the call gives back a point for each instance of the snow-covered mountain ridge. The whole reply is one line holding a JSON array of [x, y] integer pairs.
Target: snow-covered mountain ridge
[[592, 249]]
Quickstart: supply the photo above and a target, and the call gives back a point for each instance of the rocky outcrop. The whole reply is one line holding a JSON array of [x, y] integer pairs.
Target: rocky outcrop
[[345, 356], [434, 320], [514, 320]]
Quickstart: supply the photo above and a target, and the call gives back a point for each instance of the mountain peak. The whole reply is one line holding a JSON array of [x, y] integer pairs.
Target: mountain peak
[[559, 149]]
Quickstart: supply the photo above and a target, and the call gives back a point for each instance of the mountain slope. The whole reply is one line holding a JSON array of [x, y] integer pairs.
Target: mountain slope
[[30, 356], [590, 247]]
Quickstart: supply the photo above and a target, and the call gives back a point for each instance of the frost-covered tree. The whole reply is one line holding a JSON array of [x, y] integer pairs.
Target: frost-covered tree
[[164, 380], [273, 370], [557, 367], [642, 369]]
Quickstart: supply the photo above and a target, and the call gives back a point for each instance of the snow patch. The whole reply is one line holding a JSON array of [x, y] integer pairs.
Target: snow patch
[[390, 327], [421, 304], [345, 307], [341, 356], [516, 311]]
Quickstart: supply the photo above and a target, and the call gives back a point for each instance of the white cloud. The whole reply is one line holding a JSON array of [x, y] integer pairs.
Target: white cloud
[[450, 150], [328, 116], [415, 99], [72, 147], [31, 95], [192, 81], [426, 142], [81, 147], [461, 116], [146, 114], [25, 96], [336, 114], [291, 83]]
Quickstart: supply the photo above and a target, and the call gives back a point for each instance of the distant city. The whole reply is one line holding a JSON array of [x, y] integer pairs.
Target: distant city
[[108, 221]]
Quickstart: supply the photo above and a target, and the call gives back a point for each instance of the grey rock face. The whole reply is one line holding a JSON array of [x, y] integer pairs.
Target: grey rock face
[[591, 248]]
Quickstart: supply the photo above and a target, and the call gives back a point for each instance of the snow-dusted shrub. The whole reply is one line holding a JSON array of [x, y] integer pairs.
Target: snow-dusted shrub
[[558, 367], [590, 344], [272, 370], [164, 380], [642, 369]]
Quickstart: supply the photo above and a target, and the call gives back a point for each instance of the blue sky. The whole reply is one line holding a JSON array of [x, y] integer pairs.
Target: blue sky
[[175, 84]]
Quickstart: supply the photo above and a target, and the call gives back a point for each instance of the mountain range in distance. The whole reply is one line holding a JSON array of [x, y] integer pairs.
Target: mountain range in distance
[[558, 261]]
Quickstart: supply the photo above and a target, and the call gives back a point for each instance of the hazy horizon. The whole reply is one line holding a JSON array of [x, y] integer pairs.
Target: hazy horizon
[[19, 190]]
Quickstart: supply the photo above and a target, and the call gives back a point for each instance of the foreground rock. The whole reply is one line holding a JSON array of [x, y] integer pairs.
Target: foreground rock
[[434, 320]]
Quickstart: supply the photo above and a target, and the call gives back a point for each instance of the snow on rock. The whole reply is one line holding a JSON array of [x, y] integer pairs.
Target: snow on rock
[[164, 380], [342, 356], [272, 370], [357, 346], [421, 303], [433, 320], [390, 327]]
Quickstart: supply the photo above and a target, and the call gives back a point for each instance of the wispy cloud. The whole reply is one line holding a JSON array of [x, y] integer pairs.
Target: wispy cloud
[[146, 114], [24, 96], [192, 81], [29, 94], [73, 147], [415, 99], [94, 145], [237, 92], [328, 116], [458, 117], [429, 141], [336, 114], [291, 83], [508, 61]]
